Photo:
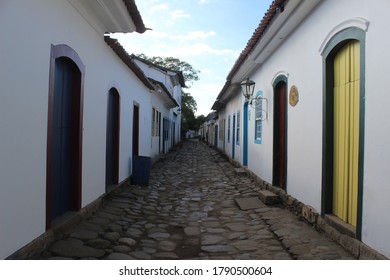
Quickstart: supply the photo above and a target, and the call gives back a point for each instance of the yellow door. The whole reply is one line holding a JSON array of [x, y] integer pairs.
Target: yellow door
[[346, 132]]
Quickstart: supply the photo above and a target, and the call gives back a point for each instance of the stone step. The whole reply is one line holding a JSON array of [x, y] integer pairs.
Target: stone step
[[268, 198], [240, 172]]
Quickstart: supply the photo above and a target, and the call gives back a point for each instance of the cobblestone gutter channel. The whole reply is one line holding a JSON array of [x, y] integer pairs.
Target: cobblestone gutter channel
[[189, 212]]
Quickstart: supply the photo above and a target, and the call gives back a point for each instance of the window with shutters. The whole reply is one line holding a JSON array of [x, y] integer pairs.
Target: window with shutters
[[258, 119]]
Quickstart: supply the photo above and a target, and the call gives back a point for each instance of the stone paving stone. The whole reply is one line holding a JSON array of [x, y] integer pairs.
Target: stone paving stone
[[189, 211], [167, 245], [119, 256], [73, 248], [140, 255], [166, 256], [159, 235], [211, 239], [249, 203], [237, 227], [89, 226], [192, 231], [112, 236], [115, 228], [99, 243], [83, 234], [121, 248], [106, 215], [127, 241], [133, 232], [246, 245], [99, 221], [218, 248]]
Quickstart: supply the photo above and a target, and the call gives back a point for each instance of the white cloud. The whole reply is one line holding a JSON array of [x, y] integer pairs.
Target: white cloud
[[195, 35], [205, 95], [179, 14], [209, 88], [155, 34], [160, 7], [206, 71], [200, 2]]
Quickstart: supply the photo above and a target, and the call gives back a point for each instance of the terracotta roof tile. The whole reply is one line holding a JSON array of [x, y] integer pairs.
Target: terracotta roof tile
[[126, 58], [166, 91], [179, 73], [135, 15], [264, 23]]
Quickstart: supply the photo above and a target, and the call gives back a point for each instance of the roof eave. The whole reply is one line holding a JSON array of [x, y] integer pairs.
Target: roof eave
[[110, 16], [135, 15], [280, 20], [125, 57], [164, 69], [169, 101]]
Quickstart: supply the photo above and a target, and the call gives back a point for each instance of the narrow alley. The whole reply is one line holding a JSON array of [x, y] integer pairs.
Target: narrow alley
[[189, 211]]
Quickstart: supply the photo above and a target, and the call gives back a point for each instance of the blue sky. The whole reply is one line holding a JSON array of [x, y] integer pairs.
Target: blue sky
[[208, 34]]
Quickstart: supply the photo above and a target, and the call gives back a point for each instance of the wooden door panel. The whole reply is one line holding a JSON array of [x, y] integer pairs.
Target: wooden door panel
[[346, 132], [280, 137], [112, 138]]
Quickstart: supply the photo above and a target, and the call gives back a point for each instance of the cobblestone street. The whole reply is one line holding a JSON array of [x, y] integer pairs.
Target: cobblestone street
[[189, 212]]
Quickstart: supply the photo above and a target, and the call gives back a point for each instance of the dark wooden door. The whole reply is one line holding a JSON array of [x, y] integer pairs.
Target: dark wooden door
[[280, 130], [233, 136], [136, 130], [164, 131], [216, 136], [112, 138], [65, 165]]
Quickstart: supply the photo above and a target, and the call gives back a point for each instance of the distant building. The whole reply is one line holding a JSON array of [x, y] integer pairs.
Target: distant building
[[190, 134], [166, 104]]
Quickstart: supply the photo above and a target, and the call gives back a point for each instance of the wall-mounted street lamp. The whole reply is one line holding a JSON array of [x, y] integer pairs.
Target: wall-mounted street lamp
[[248, 89]]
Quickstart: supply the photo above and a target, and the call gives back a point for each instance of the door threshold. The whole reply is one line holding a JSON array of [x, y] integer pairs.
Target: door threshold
[[65, 221], [341, 225]]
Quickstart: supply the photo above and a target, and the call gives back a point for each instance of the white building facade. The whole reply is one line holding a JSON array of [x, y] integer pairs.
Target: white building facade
[[72, 111], [318, 131], [166, 105]]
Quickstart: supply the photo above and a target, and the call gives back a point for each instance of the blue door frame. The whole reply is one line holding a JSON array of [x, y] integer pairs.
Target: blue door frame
[[245, 144]]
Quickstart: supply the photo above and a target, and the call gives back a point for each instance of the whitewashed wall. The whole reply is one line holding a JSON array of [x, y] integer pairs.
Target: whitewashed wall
[[165, 113], [164, 77], [300, 58], [31, 28]]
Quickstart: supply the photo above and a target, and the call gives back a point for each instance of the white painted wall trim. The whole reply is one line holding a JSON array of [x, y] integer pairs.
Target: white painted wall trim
[[358, 22], [278, 74]]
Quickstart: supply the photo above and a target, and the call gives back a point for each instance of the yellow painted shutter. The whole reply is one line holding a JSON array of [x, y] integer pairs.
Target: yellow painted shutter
[[346, 132]]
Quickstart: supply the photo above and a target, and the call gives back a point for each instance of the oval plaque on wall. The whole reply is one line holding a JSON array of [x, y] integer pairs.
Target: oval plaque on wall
[[294, 96]]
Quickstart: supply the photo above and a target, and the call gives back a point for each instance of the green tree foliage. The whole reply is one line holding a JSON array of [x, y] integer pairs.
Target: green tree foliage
[[190, 74], [200, 120], [188, 109], [188, 103]]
